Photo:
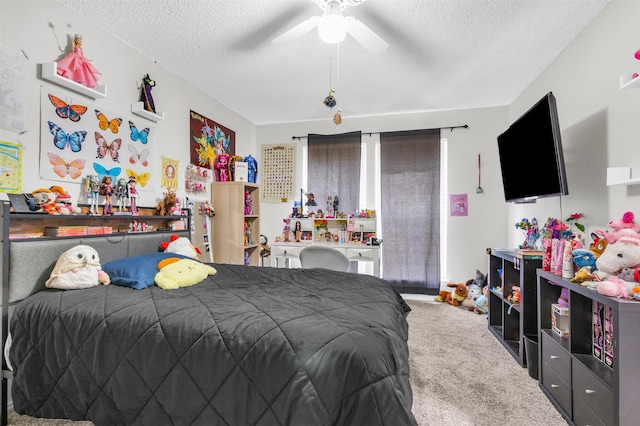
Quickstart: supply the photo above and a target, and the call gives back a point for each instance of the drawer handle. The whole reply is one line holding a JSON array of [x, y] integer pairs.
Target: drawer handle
[[589, 391], [555, 386], [285, 252], [360, 254], [555, 357]]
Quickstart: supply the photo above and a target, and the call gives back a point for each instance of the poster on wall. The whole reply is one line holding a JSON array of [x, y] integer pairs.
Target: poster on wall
[[278, 173], [208, 139], [459, 205], [79, 138], [12, 89], [10, 167], [169, 173]]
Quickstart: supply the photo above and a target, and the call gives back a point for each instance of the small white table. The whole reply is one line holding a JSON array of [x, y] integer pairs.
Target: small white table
[[354, 252]]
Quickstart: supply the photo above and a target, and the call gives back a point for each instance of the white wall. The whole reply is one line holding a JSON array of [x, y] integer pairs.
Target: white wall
[[41, 27], [599, 122]]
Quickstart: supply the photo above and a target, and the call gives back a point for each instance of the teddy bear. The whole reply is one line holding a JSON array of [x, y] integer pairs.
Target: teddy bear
[[176, 272], [624, 253], [79, 267], [180, 245], [164, 206], [63, 198], [455, 297]]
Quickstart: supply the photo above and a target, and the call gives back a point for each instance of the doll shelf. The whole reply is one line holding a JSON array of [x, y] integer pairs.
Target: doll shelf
[[49, 72], [138, 109]]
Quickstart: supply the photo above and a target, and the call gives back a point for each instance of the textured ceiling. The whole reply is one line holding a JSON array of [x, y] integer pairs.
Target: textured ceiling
[[442, 54]]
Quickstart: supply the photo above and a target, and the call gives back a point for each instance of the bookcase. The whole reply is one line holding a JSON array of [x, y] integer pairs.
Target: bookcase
[[582, 386], [511, 322], [236, 233]]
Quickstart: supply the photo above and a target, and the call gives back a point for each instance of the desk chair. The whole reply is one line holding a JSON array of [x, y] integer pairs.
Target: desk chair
[[323, 257]]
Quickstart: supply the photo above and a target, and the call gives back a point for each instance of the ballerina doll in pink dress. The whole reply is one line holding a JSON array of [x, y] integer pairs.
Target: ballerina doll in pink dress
[[76, 67]]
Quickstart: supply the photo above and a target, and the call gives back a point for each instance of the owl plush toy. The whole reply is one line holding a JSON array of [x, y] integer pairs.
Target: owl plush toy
[[78, 267]]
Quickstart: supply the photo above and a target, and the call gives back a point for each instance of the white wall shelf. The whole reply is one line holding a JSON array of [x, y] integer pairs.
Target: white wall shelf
[[49, 71], [621, 176], [138, 109], [629, 82]]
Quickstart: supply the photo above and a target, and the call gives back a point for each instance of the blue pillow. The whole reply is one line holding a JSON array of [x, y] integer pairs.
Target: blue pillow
[[137, 271]]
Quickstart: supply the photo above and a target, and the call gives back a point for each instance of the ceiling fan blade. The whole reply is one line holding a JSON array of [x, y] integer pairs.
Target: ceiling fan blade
[[365, 36], [297, 31]]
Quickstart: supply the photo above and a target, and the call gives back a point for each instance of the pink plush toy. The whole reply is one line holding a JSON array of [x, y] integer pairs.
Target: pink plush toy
[[625, 226]]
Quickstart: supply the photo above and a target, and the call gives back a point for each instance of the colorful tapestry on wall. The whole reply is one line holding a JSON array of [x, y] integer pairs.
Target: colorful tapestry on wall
[[10, 167], [79, 139], [208, 139], [278, 173]]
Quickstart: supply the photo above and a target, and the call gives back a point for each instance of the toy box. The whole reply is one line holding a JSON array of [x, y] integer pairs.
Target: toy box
[[560, 320], [597, 329], [608, 336]]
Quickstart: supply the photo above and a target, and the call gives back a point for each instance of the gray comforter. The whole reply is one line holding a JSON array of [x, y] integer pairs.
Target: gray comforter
[[247, 346]]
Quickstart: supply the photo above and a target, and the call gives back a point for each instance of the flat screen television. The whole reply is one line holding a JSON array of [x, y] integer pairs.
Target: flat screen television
[[531, 158]]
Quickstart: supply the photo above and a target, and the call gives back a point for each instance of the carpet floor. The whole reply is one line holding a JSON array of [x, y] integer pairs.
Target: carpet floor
[[460, 375]]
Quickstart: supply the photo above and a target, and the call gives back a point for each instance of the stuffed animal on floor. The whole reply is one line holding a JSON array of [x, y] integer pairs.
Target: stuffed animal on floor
[[176, 272], [181, 245], [455, 297], [78, 267]]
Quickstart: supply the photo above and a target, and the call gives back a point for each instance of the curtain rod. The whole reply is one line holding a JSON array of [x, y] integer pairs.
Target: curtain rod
[[465, 126]]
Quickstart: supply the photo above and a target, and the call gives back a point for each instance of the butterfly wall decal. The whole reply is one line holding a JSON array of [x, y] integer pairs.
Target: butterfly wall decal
[[140, 157], [62, 139], [140, 135], [104, 123], [105, 148], [141, 178], [102, 171], [64, 110], [60, 166]]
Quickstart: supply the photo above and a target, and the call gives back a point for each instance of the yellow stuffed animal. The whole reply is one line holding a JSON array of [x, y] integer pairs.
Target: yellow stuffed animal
[[175, 272]]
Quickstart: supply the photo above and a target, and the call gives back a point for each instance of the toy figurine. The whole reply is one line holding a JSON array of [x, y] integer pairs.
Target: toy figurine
[[221, 167], [286, 231], [93, 190], [248, 203], [145, 93], [351, 227], [335, 206], [329, 206], [76, 67], [298, 231], [106, 191], [252, 166], [133, 195], [122, 193]]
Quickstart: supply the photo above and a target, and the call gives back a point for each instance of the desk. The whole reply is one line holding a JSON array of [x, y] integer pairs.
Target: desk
[[354, 252]]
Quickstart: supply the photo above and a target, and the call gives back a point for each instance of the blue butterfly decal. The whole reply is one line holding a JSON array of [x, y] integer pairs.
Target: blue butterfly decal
[[102, 172], [140, 135], [61, 138]]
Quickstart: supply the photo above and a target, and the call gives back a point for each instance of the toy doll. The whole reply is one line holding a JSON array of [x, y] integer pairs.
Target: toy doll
[[145, 93], [351, 227], [286, 231], [329, 206], [76, 67], [221, 167], [133, 195], [252, 167], [122, 193], [248, 203], [298, 231], [93, 190], [106, 190]]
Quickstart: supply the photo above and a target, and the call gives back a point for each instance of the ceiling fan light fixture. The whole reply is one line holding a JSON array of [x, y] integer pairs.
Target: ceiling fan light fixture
[[332, 27]]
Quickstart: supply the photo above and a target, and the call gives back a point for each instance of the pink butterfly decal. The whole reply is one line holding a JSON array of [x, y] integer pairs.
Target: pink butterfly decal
[[62, 168], [105, 148], [140, 157]]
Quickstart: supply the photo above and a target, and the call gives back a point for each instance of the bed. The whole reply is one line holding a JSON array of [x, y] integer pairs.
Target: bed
[[248, 345]]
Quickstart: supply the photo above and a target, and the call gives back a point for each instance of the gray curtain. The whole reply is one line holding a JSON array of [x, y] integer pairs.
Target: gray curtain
[[410, 210], [334, 169]]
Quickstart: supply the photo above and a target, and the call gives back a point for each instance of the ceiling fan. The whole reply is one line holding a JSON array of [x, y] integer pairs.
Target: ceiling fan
[[333, 27]]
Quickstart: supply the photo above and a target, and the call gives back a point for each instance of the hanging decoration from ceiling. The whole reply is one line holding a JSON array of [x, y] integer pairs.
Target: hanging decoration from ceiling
[[330, 101]]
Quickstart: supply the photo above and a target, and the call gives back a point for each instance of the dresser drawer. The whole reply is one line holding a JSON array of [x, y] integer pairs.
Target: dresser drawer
[[556, 357], [583, 416], [593, 392], [558, 388], [292, 252], [360, 253]]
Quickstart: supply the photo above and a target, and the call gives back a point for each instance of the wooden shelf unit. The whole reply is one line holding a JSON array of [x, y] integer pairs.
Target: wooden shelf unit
[[510, 322], [228, 199]]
